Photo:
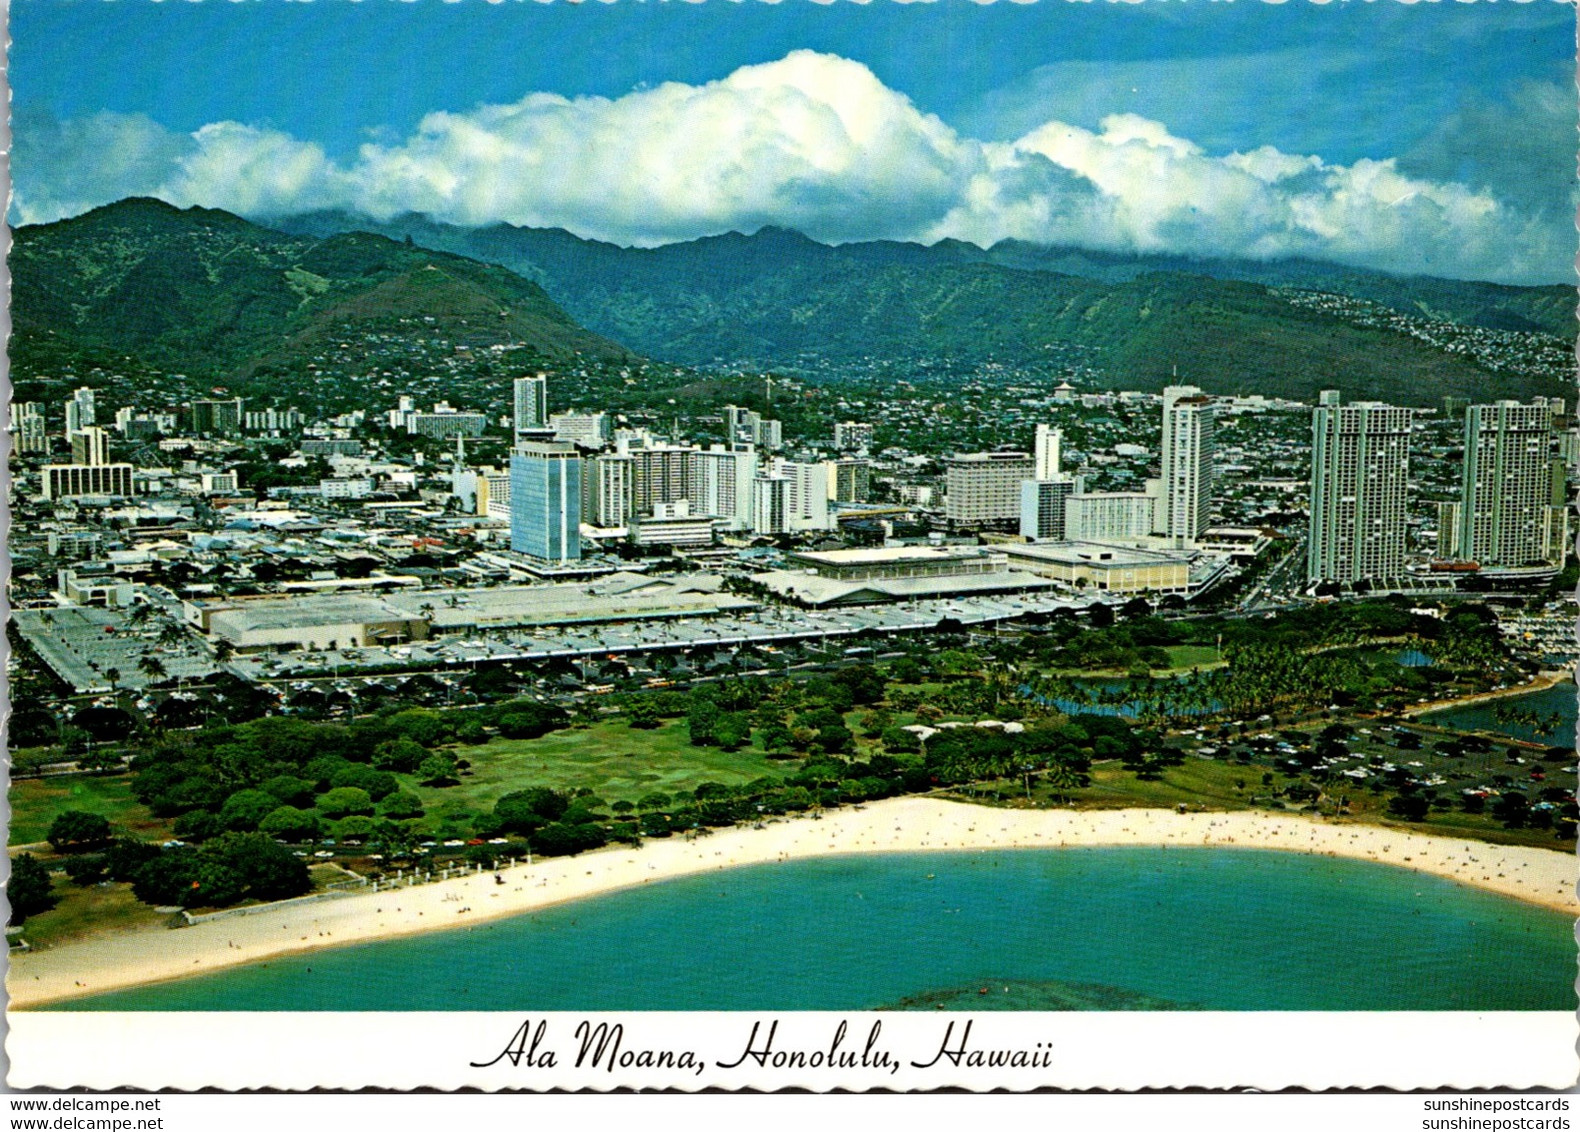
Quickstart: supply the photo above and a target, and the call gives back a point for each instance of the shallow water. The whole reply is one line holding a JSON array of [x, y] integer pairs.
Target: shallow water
[[1215, 929]]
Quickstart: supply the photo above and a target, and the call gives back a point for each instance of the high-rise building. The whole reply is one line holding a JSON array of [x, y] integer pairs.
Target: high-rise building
[[80, 411], [721, 484], [216, 418], [849, 481], [606, 490], [1448, 529], [1045, 454], [984, 487], [28, 421], [530, 404], [1507, 483], [1042, 506], [806, 495], [90, 446], [445, 423], [660, 473], [546, 501], [589, 430], [1185, 507], [743, 426], [852, 436], [769, 494], [1109, 516], [1360, 469]]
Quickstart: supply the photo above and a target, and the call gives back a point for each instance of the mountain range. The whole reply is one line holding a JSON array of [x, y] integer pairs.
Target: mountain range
[[206, 291]]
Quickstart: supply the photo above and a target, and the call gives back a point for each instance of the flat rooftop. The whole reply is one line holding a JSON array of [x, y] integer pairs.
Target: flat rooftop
[[1094, 553], [884, 554]]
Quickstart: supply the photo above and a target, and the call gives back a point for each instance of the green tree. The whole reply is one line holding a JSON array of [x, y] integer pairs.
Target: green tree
[[244, 809], [402, 755], [29, 888], [438, 769], [75, 831], [643, 714], [401, 804], [344, 800], [268, 870], [702, 722], [290, 824]]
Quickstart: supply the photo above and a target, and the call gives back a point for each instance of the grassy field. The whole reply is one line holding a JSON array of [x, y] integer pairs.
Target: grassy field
[[1192, 656], [36, 802], [612, 760], [94, 910]]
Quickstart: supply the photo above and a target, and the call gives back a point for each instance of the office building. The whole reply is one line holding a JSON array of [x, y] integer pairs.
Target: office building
[[1360, 469], [546, 501], [80, 411], [743, 426], [1185, 504], [1508, 482], [1042, 507], [588, 430], [444, 422], [673, 525], [215, 418], [849, 481], [530, 406], [90, 445], [28, 422], [72, 481], [852, 436], [984, 487], [1109, 516]]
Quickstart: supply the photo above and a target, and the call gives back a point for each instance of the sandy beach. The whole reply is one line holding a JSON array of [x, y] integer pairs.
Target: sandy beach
[[1538, 876]]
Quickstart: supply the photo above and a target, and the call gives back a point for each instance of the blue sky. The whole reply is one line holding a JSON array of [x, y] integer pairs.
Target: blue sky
[[1055, 120]]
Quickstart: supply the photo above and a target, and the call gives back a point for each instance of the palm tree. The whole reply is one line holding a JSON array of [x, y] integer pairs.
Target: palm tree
[[153, 668]]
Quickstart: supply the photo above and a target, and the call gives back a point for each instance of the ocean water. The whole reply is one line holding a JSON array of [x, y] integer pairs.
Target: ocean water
[[1547, 716], [1215, 929]]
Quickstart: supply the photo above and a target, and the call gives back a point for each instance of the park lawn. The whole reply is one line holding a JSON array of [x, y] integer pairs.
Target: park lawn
[[1195, 782], [609, 758], [94, 910], [36, 802], [1191, 656]]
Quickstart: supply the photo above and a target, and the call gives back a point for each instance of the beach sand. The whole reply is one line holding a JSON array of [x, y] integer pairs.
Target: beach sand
[[1539, 876]]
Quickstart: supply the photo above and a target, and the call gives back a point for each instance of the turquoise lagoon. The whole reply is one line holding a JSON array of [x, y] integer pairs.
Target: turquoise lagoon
[[1547, 716], [1141, 928]]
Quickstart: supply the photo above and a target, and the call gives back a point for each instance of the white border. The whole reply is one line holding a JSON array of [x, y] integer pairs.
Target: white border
[[1120, 1051]]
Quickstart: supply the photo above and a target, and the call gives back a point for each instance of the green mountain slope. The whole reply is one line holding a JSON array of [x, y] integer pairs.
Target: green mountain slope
[[779, 298], [202, 291]]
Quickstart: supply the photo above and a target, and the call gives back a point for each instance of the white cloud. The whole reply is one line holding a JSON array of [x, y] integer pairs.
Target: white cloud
[[817, 143]]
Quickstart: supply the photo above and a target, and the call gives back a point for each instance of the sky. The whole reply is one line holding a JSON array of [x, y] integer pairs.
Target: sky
[[1434, 138]]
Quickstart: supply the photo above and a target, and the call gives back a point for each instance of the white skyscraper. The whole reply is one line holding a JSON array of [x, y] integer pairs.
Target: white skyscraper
[[1360, 469], [1046, 453], [721, 484], [1185, 509], [1507, 483], [531, 406]]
